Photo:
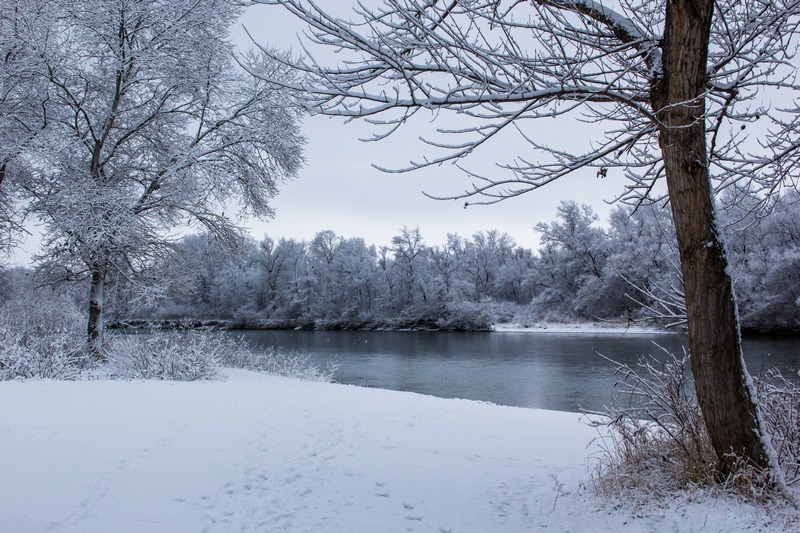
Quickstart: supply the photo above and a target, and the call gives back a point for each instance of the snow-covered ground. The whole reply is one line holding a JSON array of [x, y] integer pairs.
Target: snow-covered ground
[[262, 453], [611, 328]]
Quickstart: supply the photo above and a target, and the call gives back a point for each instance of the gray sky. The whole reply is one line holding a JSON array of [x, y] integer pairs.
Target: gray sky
[[340, 190]]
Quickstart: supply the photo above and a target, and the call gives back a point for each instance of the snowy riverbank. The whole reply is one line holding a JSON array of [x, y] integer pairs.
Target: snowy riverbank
[[261, 453], [606, 328]]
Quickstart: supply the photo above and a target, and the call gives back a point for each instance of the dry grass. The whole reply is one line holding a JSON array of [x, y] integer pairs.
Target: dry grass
[[654, 444], [779, 397], [281, 363]]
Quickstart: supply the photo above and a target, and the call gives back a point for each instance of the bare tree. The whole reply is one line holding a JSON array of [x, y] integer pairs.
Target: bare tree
[[675, 88], [152, 123]]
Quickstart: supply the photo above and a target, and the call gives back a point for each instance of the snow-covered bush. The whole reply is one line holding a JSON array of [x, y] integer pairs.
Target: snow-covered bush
[[280, 363], [779, 398], [656, 443], [470, 316], [196, 354], [172, 355], [41, 336]]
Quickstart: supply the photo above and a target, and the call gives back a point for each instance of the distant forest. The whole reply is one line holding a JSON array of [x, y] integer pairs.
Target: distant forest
[[626, 271]]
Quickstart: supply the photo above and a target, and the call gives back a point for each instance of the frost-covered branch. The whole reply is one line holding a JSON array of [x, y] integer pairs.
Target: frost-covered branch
[[498, 66]]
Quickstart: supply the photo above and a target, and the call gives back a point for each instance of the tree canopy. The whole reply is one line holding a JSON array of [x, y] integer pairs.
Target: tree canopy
[[134, 118], [623, 270]]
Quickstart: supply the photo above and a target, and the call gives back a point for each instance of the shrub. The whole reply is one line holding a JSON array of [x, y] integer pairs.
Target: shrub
[[280, 363], [195, 354], [466, 316], [656, 443], [180, 355], [779, 398], [41, 336]]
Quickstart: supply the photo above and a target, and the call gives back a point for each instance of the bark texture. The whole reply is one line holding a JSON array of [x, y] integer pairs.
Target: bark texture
[[96, 297], [723, 391]]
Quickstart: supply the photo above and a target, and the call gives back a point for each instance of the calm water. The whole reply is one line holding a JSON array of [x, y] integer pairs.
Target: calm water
[[551, 371]]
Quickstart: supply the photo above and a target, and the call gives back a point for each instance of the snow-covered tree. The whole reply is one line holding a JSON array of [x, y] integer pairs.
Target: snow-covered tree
[[152, 123], [282, 264], [410, 267], [23, 99], [358, 269], [643, 269], [290, 296], [571, 259], [485, 254], [671, 88], [765, 259], [446, 268], [514, 281], [343, 280], [323, 251]]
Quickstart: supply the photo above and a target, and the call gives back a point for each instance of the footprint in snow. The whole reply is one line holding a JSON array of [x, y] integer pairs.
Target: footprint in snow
[[381, 493]]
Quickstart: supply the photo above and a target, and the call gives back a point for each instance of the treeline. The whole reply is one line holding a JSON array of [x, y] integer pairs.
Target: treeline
[[626, 272]]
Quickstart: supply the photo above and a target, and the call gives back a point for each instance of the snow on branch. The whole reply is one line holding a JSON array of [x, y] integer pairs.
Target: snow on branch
[[508, 66]]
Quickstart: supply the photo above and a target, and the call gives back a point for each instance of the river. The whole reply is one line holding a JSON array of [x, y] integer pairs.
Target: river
[[559, 371]]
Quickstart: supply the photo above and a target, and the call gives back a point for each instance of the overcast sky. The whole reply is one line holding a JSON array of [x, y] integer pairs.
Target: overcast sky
[[340, 190]]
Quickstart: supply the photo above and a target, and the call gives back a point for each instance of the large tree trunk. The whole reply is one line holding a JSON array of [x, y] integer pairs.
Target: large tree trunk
[[96, 298], [723, 388]]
